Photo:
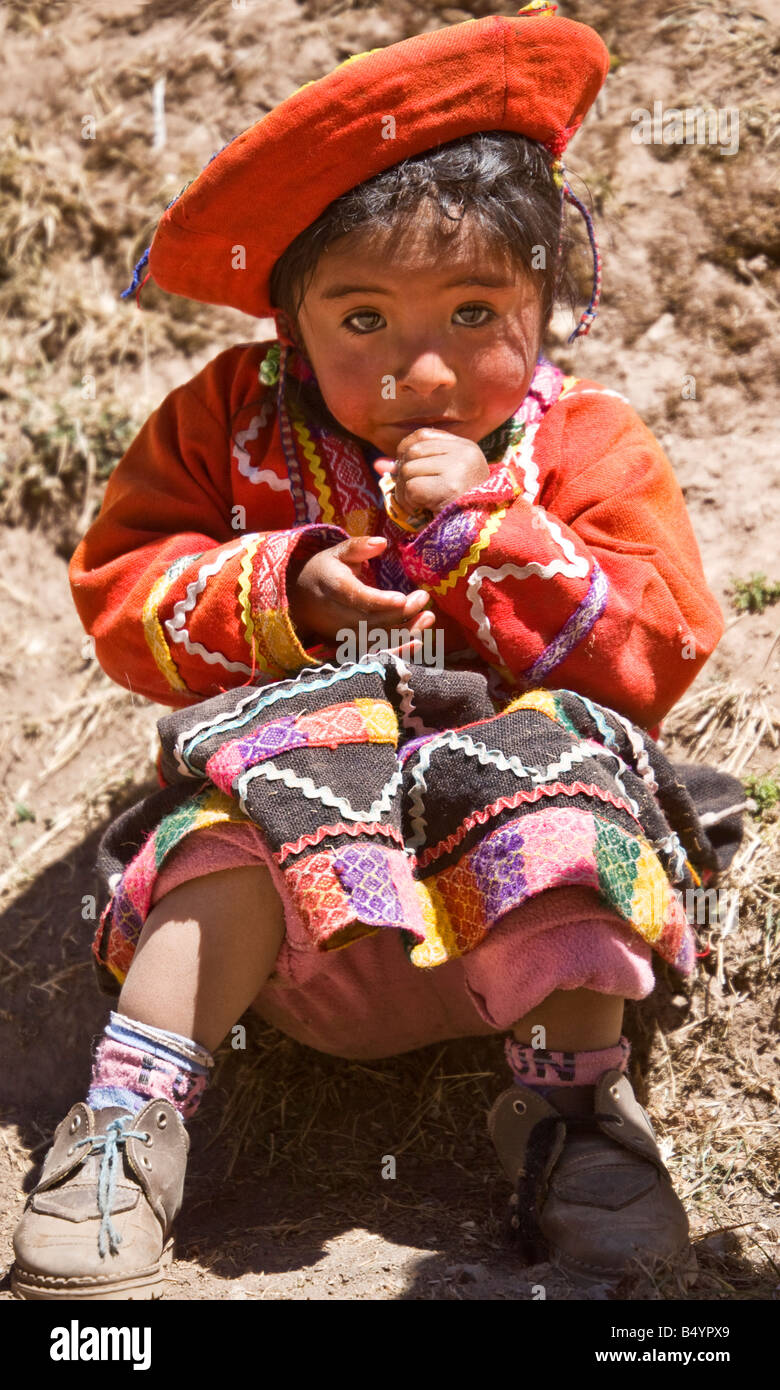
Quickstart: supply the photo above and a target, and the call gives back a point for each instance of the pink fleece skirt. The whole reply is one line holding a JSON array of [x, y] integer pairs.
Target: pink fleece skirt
[[366, 1000]]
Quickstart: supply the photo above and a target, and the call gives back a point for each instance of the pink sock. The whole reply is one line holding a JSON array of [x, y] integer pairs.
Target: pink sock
[[540, 1068], [134, 1063]]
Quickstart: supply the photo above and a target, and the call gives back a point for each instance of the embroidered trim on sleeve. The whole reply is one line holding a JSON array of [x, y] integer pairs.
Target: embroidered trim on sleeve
[[176, 625], [574, 629], [268, 595], [153, 632]]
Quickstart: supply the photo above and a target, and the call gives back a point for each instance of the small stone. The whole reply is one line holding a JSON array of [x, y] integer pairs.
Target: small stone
[[661, 329], [715, 1244]]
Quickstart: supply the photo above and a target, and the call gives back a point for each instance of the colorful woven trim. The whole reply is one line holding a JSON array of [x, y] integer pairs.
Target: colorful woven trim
[[378, 821], [153, 630]]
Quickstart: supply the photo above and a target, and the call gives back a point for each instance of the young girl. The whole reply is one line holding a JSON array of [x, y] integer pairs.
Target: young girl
[[378, 854]]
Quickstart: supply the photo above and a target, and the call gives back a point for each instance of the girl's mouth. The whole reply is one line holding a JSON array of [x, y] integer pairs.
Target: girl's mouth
[[419, 424]]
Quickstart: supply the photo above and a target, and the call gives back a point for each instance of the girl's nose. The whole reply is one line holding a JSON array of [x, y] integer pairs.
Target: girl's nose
[[425, 372]]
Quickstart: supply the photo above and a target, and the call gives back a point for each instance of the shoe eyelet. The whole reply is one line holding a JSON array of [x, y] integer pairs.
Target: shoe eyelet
[[147, 1139], [618, 1120], [162, 1120], [519, 1107], [71, 1149], [147, 1163], [75, 1124], [613, 1091]]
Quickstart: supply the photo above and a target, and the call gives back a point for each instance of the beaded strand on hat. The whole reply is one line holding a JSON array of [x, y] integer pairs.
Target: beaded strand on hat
[[542, 9], [556, 148], [588, 315], [273, 370]]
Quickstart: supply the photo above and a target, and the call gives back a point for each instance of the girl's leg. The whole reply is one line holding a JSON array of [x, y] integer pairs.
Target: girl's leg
[[574, 1020], [562, 1046], [99, 1222], [206, 950], [598, 1201]]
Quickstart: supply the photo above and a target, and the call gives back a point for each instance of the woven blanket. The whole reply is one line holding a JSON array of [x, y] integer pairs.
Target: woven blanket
[[393, 796]]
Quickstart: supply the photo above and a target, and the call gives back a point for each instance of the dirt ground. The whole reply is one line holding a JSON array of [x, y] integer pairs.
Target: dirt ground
[[285, 1194]]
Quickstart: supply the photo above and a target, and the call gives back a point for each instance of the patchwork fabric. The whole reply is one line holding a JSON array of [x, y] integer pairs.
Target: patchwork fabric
[[393, 796]]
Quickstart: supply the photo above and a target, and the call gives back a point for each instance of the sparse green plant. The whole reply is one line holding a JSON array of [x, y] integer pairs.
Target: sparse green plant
[[754, 594], [765, 791]]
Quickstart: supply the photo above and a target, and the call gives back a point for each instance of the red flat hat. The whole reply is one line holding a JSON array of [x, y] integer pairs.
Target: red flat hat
[[536, 74]]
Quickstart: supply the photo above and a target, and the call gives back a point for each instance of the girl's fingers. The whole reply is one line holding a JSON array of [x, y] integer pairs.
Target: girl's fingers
[[423, 621], [346, 593], [347, 588], [361, 601], [421, 465], [407, 650], [358, 547], [414, 602]]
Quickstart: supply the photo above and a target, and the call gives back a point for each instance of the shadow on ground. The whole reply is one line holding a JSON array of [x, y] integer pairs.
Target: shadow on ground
[[290, 1147]]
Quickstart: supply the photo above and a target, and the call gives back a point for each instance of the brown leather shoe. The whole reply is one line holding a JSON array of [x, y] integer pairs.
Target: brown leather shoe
[[98, 1223], [591, 1192]]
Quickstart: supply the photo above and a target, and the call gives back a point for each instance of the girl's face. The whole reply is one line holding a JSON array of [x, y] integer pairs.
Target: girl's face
[[434, 331]]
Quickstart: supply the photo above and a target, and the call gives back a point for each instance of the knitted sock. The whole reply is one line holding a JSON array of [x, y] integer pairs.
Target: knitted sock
[[134, 1063], [565, 1079]]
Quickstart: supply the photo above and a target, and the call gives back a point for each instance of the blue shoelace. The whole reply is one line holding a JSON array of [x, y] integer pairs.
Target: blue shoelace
[[109, 1145]]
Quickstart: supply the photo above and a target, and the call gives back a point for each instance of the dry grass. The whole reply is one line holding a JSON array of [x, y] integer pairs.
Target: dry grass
[[97, 706]]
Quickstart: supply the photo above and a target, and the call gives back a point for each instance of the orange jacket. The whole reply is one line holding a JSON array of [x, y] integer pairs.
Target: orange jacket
[[574, 566]]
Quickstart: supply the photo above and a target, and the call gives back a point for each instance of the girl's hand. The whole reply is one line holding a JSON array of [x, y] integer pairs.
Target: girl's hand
[[432, 467], [327, 597]]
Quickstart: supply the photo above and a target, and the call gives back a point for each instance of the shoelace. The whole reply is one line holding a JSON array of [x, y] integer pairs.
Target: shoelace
[[528, 1189], [109, 1145]]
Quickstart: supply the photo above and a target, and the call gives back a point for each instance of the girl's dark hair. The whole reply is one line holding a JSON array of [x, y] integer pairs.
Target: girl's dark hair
[[502, 179]]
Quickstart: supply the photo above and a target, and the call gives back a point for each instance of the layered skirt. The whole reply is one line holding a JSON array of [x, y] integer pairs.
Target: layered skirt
[[393, 801]]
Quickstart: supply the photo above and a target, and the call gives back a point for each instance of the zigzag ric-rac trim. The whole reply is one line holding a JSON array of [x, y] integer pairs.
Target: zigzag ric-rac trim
[[248, 706], [153, 632], [317, 470], [508, 803], [324, 794], [175, 626], [245, 600], [488, 530], [309, 841]]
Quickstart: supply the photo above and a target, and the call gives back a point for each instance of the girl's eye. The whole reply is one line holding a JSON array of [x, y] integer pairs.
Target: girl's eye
[[476, 309], [370, 314], [361, 314]]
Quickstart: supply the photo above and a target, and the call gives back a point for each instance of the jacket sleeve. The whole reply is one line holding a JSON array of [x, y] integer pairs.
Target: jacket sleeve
[[592, 581], [176, 599]]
